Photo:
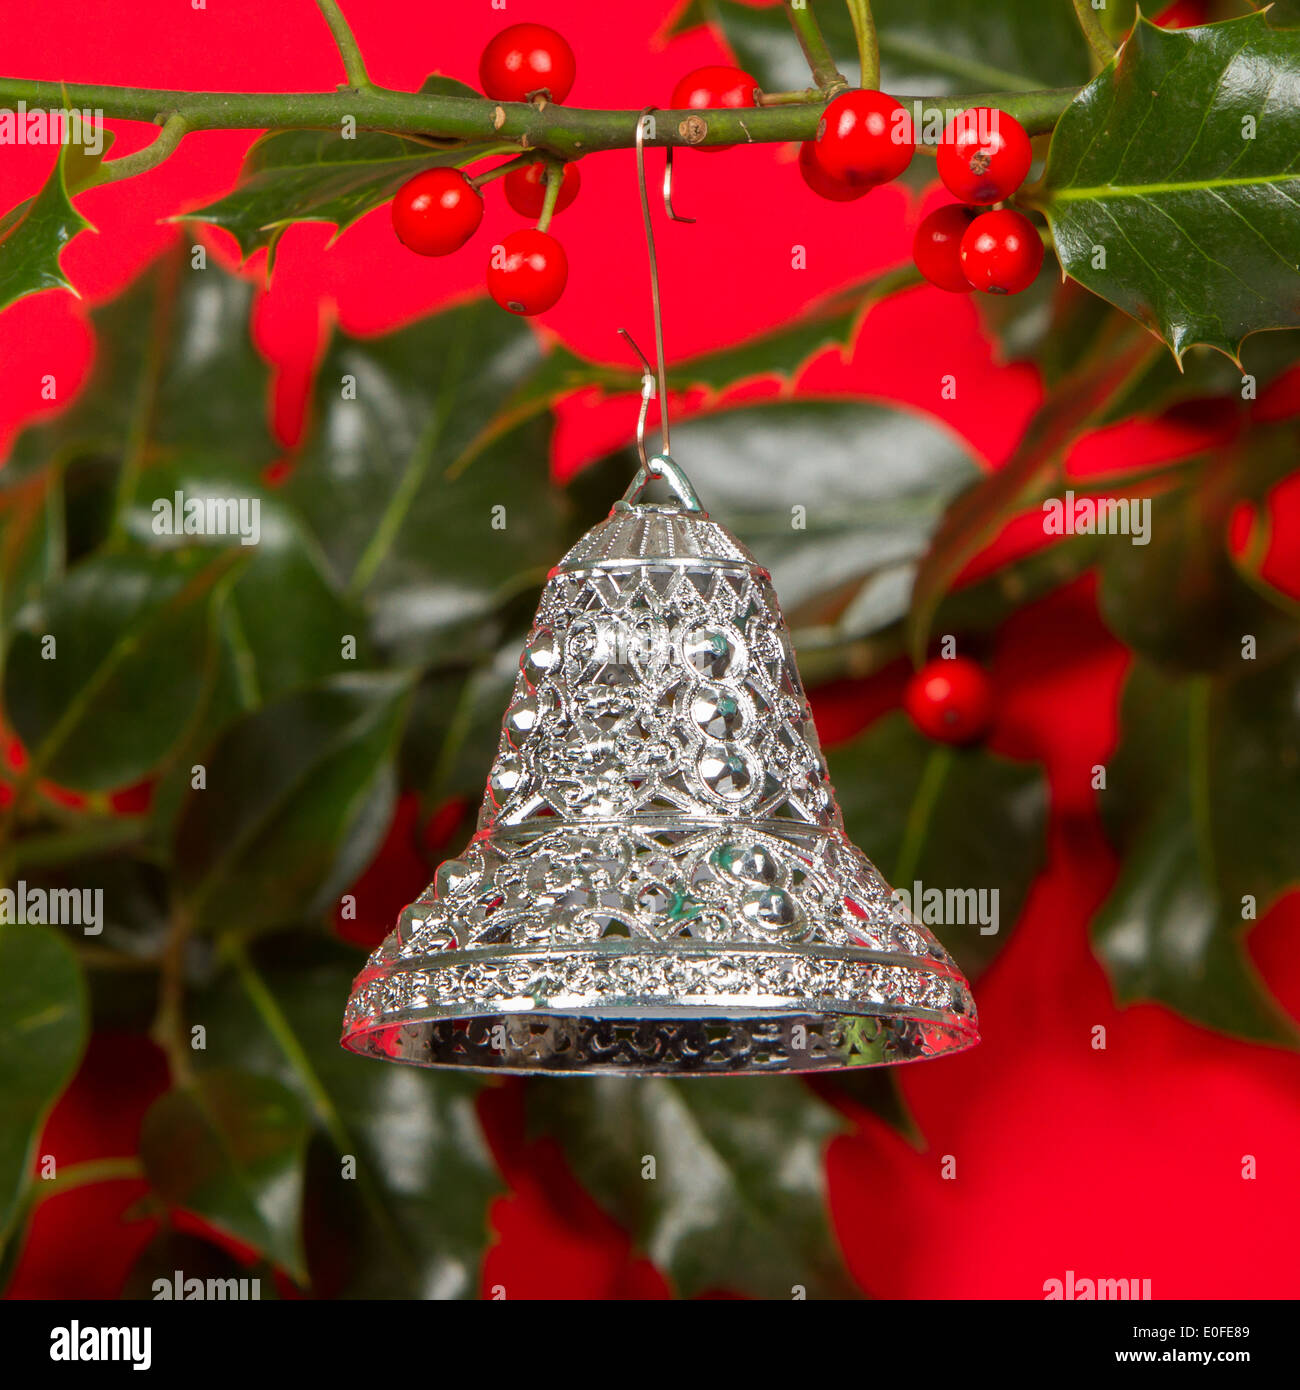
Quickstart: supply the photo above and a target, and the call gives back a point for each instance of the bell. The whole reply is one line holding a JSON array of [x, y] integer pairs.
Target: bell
[[660, 883]]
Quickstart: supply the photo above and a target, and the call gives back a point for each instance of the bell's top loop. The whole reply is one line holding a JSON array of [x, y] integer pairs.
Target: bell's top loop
[[661, 466]]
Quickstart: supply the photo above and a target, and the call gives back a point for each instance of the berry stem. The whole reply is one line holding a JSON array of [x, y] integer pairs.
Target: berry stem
[[864, 30], [933, 776], [1098, 39], [804, 94], [353, 63], [554, 178], [809, 33], [563, 131], [520, 161]]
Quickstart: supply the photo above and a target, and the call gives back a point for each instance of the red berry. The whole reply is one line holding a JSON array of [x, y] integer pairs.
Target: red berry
[[526, 188], [936, 248], [984, 155], [821, 182], [527, 271], [865, 138], [1001, 252], [436, 212], [716, 86], [526, 58], [950, 699]]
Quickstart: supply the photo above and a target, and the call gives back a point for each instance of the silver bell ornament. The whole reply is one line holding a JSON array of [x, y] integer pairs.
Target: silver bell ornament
[[660, 883]]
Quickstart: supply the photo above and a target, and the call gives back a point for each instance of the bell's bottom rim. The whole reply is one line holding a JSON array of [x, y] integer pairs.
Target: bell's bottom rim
[[662, 1011]]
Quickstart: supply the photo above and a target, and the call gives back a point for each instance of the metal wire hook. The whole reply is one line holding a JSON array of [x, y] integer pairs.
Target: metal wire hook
[[654, 382]]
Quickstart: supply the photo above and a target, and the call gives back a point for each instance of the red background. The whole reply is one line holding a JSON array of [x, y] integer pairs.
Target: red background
[[1119, 1163]]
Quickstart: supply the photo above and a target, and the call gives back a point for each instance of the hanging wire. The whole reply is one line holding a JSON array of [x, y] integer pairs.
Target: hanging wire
[[654, 381]]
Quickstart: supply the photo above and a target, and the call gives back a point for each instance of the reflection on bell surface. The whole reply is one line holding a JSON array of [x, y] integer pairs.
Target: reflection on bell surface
[[660, 883]]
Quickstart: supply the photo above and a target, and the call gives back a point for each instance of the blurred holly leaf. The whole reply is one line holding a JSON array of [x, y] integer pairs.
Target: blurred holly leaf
[[43, 1021], [105, 669], [175, 371], [783, 352], [29, 544], [1195, 217], [283, 586], [927, 47], [825, 492], [1196, 840], [422, 509], [1177, 598], [33, 235], [230, 1147], [409, 1218], [976, 517], [961, 821], [738, 1197], [297, 796]]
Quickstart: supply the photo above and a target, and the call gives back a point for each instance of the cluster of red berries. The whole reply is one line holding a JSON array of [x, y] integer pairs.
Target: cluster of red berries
[[865, 139], [437, 212], [950, 699], [983, 158]]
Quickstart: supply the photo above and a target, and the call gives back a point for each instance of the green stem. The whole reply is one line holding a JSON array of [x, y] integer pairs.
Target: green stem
[[86, 1174], [353, 63], [554, 178], [1198, 760], [918, 817], [173, 130], [864, 30], [1098, 39], [281, 1030], [804, 94], [520, 161], [168, 1030], [809, 33], [566, 132]]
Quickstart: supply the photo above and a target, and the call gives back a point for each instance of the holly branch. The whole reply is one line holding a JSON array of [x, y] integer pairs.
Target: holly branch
[[547, 127]]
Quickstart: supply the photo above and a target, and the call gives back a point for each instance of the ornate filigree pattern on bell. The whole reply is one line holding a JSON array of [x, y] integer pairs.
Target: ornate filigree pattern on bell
[[660, 883]]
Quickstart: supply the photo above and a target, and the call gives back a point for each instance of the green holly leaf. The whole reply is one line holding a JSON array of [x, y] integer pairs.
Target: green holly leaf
[[297, 796], [927, 47], [1196, 841], [738, 1197], [33, 235], [870, 485], [104, 671], [423, 507], [965, 823], [406, 1219], [1178, 165], [319, 176], [231, 1147], [43, 1015]]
